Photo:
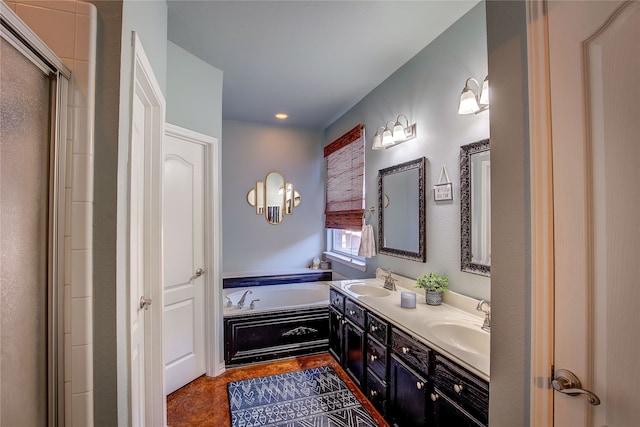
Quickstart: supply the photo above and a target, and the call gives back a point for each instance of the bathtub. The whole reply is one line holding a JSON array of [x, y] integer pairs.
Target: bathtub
[[293, 296], [288, 320]]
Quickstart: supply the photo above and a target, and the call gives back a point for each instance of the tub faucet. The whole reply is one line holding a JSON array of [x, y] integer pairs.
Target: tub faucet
[[241, 302], [486, 326], [252, 306], [389, 282]]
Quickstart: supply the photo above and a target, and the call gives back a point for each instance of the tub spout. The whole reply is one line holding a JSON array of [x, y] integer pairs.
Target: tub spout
[[241, 302]]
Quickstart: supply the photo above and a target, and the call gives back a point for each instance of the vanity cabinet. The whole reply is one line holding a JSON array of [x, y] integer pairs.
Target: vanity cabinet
[[465, 392], [336, 322], [409, 383], [347, 338], [377, 359], [410, 387], [335, 334], [408, 404], [447, 414], [354, 341]]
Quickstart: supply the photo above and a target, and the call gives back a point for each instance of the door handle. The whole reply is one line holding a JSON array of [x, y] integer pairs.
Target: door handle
[[568, 383], [145, 303], [199, 272]]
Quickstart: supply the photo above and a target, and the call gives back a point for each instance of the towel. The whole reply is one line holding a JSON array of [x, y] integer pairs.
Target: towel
[[367, 242]]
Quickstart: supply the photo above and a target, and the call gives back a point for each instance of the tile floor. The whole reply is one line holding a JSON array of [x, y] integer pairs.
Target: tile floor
[[204, 401]]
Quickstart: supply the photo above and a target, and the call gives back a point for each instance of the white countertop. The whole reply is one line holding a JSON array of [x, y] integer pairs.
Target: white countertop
[[418, 321]]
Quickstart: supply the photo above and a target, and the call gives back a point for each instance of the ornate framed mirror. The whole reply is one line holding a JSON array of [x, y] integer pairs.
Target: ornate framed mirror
[[274, 198], [401, 210], [475, 208]]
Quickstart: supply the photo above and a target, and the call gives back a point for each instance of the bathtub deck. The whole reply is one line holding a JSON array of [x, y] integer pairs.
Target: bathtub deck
[[204, 402]]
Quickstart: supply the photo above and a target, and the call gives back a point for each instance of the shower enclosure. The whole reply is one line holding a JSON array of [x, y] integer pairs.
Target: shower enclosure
[[33, 87]]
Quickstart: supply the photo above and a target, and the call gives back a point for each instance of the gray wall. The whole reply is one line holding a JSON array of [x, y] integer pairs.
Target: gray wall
[[194, 92], [116, 20], [510, 270], [427, 90], [249, 152], [104, 212]]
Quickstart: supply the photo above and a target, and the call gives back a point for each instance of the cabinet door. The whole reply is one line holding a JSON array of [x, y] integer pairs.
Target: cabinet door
[[448, 414], [408, 403], [354, 352], [335, 335]]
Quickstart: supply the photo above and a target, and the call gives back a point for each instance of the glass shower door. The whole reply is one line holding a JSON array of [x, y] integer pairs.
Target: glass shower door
[[25, 141]]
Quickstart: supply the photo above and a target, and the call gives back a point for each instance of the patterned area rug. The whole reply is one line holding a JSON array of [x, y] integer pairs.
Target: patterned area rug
[[314, 397]]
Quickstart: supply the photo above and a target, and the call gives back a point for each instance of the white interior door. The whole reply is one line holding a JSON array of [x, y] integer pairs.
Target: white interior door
[[138, 290], [144, 222], [594, 68], [184, 257]]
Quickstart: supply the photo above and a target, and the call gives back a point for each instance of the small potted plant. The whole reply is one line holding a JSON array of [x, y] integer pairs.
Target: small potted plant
[[434, 285]]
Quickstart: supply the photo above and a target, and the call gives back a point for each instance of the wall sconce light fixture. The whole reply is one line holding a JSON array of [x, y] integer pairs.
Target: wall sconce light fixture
[[393, 135], [472, 102]]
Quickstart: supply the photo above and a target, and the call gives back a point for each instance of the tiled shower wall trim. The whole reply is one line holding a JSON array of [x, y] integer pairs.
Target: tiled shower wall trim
[[73, 39]]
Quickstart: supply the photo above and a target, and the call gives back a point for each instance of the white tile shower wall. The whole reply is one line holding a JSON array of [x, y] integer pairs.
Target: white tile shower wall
[[73, 39]]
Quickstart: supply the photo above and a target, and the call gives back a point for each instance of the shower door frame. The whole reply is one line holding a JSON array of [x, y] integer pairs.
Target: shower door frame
[[20, 36]]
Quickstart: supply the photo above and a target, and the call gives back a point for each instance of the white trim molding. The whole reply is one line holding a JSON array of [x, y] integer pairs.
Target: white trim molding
[[542, 250]]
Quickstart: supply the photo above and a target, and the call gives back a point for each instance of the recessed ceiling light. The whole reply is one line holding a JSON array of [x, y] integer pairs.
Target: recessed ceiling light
[[281, 116]]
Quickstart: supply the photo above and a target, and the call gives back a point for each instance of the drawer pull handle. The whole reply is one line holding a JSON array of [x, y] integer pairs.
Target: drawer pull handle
[[458, 388], [339, 316], [374, 328], [351, 312], [405, 350], [374, 357], [373, 393], [420, 385], [435, 396], [344, 322]]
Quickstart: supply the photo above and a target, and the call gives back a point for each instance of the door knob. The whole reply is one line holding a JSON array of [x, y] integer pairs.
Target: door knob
[[145, 303], [199, 272], [568, 383]]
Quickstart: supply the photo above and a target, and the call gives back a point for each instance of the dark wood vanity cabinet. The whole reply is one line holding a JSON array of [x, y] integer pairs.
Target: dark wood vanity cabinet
[[408, 391], [409, 383], [335, 334], [465, 393], [336, 325], [447, 414], [410, 386], [354, 352], [377, 361], [347, 337]]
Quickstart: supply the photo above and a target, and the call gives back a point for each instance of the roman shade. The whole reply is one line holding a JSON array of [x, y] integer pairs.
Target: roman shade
[[344, 159]]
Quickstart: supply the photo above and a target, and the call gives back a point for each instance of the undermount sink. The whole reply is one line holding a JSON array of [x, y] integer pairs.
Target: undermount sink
[[465, 336], [367, 290]]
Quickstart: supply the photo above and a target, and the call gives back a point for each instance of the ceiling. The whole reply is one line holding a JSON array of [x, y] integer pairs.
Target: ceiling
[[312, 59]]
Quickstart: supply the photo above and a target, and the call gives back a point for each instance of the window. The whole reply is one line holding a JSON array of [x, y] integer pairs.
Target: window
[[344, 159], [346, 242]]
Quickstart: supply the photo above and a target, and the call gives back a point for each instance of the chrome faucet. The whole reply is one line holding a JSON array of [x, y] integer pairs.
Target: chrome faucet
[[241, 302], [486, 326], [252, 306], [389, 282]]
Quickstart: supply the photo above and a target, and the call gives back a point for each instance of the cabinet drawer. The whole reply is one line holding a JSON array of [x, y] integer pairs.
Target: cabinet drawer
[[378, 328], [354, 312], [377, 392], [377, 357], [411, 351], [337, 300], [462, 387]]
